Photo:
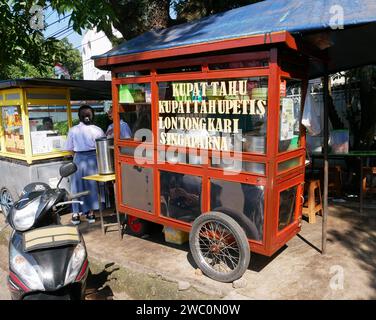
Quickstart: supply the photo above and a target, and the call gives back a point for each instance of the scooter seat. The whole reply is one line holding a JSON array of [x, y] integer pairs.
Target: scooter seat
[[50, 237]]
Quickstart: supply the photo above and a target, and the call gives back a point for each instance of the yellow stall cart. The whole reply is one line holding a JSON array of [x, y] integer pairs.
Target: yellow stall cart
[[35, 116]]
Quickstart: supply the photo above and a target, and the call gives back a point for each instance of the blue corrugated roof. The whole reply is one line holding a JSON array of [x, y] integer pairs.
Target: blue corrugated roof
[[264, 17]]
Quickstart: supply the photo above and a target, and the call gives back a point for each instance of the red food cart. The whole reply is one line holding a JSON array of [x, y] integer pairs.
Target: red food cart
[[217, 149]]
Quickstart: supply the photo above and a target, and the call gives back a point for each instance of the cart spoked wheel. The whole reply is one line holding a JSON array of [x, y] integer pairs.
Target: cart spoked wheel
[[219, 246], [136, 226], [6, 200]]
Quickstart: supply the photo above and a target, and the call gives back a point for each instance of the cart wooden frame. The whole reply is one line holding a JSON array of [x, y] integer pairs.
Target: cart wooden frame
[[286, 59]]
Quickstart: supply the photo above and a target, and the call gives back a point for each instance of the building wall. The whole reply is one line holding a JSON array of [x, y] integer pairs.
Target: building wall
[[95, 43]]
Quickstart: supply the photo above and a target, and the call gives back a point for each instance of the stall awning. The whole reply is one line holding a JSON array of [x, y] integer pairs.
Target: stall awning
[[79, 89], [311, 21]]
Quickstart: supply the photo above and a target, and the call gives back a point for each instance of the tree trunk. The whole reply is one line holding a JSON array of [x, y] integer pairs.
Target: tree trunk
[[158, 13]]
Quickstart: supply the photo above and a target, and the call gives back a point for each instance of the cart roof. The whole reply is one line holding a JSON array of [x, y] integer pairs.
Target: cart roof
[[79, 89], [351, 47]]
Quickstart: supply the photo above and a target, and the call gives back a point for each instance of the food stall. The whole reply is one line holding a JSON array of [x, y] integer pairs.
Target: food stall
[[217, 149], [35, 116]]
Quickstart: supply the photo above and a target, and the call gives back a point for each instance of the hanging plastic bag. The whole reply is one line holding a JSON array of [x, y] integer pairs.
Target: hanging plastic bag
[[311, 117]]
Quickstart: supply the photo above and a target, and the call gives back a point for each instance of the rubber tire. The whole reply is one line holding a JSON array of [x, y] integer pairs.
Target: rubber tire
[[145, 226], [12, 194], [239, 235]]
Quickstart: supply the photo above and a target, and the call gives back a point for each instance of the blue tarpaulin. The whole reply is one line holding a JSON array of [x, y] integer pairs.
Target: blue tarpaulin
[[352, 46]]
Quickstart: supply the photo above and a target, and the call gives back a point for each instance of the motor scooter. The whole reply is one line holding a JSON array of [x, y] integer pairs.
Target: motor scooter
[[47, 260]]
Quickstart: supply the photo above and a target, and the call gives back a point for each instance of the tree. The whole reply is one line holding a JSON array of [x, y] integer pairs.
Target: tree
[[66, 55], [134, 17], [20, 44], [187, 10], [70, 58], [364, 130]]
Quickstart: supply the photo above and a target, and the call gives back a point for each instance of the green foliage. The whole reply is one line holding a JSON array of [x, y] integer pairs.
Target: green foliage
[[188, 10], [24, 52], [70, 58], [100, 120], [26, 70], [62, 127], [20, 44], [134, 17]]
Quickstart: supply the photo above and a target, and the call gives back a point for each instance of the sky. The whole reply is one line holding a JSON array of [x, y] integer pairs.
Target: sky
[[52, 19]]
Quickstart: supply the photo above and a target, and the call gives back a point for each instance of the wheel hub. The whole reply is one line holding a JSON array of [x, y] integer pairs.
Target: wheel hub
[[215, 248]]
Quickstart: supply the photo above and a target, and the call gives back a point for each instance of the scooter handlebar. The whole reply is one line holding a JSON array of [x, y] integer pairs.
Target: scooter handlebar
[[78, 195]]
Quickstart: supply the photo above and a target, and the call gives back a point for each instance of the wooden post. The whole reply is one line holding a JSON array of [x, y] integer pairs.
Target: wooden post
[[326, 164]]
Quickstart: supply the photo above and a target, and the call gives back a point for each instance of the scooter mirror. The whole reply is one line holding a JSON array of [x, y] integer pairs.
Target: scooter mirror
[[67, 169]]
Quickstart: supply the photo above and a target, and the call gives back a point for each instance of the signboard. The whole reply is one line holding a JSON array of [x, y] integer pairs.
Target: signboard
[[287, 119], [205, 114]]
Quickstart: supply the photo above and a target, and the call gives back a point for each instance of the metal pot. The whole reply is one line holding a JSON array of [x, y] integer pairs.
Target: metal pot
[[105, 155]]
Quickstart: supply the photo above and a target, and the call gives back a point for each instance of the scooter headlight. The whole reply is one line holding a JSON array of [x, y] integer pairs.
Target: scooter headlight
[[23, 219], [25, 270], [75, 263]]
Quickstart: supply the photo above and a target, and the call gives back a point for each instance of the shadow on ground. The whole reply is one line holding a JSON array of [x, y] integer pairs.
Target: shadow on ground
[[360, 241], [97, 287]]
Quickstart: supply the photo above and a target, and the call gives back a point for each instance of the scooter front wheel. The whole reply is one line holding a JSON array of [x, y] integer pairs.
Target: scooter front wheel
[[7, 199]]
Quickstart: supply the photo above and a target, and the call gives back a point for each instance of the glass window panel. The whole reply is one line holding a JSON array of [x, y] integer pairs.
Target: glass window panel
[[289, 164], [135, 110], [12, 96], [290, 109], [48, 128], [137, 187], [221, 115], [50, 96], [180, 69], [254, 167], [243, 202], [174, 155], [287, 201], [239, 64], [132, 74], [238, 165], [13, 129], [180, 196], [144, 153]]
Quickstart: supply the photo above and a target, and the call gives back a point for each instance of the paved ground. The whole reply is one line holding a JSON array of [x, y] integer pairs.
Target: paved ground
[[149, 268], [4, 293]]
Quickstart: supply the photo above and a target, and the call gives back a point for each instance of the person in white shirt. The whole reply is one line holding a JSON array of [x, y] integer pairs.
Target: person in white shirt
[[125, 131], [81, 140]]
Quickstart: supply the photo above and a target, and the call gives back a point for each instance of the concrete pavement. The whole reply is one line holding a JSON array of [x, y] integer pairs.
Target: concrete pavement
[[149, 268]]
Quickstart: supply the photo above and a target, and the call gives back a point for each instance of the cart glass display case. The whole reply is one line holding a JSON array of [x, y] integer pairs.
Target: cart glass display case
[[222, 144], [13, 136], [35, 116], [34, 123], [48, 128]]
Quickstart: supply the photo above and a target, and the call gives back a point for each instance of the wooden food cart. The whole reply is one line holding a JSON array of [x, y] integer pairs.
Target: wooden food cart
[[35, 115], [225, 159]]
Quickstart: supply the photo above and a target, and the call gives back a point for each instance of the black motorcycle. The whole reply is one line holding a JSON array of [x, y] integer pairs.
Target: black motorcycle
[[47, 260]]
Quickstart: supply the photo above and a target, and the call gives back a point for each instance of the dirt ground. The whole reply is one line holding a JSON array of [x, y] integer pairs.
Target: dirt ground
[[149, 268]]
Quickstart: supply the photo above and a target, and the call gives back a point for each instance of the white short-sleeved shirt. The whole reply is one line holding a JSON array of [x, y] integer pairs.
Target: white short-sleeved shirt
[[82, 137]]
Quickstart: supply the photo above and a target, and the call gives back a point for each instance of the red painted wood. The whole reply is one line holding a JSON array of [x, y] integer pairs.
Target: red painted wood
[[272, 38], [273, 181]]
